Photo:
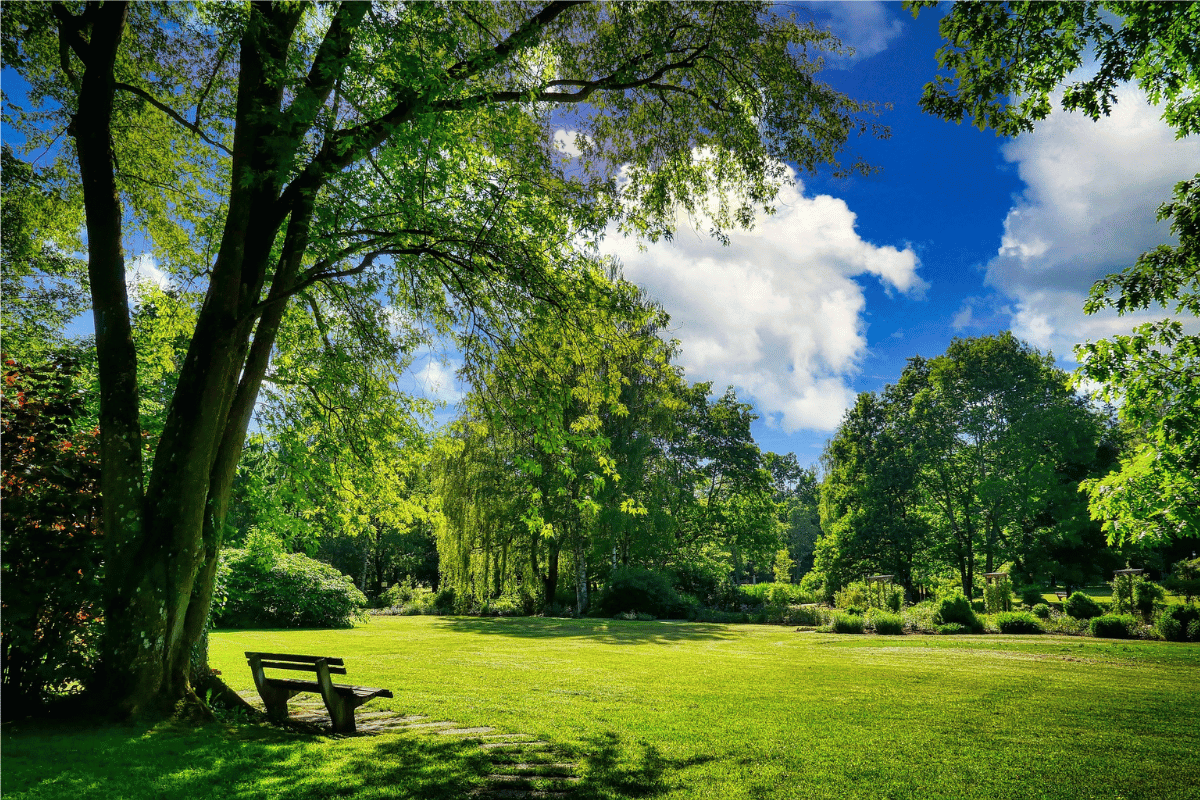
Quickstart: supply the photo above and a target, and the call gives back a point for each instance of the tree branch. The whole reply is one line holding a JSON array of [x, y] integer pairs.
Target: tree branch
[[170, 112]]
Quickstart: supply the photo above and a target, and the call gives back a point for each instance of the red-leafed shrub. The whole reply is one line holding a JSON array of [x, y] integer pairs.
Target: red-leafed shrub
[[50, 515]]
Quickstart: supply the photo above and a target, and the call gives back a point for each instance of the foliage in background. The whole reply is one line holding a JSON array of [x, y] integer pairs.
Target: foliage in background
[[52, 555]]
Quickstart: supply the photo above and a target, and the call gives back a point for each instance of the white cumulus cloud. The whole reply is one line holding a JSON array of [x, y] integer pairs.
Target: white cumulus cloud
[[1088, 209], [777, 313]]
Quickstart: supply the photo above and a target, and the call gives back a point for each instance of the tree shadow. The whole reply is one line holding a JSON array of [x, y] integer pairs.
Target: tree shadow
[[173, 761], [177, 762], [608, 631], [612, 769]]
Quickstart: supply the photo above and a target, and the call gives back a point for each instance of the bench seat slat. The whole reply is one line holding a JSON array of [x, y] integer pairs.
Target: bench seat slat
[[301, 667], [333, 662], [340, 688]]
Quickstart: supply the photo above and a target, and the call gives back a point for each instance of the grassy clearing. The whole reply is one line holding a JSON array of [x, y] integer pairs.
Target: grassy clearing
[[679, 710]]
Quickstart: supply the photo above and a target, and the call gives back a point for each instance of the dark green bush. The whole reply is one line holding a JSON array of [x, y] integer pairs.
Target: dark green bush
[[1031, 595], [1169, 629], [265, 589], [1080, 606], [847, 623], [952, 628], [956, 609], [1017, 622], [1041, 611], [887, 624], [1174, 622], [1193, 631], [1112, 626], [978, 606], [639, 589]]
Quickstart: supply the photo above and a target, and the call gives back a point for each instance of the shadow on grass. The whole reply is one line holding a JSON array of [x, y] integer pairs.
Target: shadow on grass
[[177, 762], [609, 631], [615, 770]]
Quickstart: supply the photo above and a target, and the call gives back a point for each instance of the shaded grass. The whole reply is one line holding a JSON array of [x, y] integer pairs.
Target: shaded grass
[[679, 710]]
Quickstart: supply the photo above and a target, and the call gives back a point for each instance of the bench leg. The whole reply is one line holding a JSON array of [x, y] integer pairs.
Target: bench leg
[[341, 712], [275, 699]]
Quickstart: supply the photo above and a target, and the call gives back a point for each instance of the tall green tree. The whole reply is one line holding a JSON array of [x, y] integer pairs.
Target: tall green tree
[[270, 147], [970, 461]]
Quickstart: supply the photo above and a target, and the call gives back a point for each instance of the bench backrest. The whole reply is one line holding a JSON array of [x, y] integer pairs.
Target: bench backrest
[[295, 662]]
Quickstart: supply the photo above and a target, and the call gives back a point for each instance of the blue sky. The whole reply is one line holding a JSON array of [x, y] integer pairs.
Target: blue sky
[[959, 233]]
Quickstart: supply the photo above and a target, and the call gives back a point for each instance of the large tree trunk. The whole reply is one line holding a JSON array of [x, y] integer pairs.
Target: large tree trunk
[[148, 651]]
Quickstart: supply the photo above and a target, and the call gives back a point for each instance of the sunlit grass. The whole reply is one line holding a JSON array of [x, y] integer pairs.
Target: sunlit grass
[[650, 709]]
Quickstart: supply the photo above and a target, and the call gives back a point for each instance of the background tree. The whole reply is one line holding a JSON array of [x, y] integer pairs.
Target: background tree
[[970, 461]]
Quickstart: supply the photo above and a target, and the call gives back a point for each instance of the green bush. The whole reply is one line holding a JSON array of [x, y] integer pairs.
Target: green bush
[[807, 616], [1031, 595], [847, 623], [886, 624], [1041, 611], [1175, 622], [957, 609], [978, 606], [1080, 606], [997, 595], [1146, 595], [852, 595], [1169, 629], [1193, 631], [772, 594], [639, 589], [1112, 626], [1017, 622], [952, 628], [269, 589]]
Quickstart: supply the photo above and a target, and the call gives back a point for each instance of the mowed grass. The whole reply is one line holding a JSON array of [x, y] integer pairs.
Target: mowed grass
[[681, 710]]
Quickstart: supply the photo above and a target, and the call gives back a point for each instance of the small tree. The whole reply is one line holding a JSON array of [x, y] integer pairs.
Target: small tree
[[50, 518], [783, 567]]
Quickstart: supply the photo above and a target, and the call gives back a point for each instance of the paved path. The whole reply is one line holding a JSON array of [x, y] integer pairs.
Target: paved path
[[522, 766]]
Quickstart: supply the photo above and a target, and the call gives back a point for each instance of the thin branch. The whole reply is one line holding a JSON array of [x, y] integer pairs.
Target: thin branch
[[170, 112]]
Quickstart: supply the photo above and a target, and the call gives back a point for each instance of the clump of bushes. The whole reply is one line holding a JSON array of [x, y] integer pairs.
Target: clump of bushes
[[886, 623], [1179, 624], [847, 623], [1113, 626], [957, 610], [639, 589], [952, 628], [772, 594], [1080, 606], [267, 588], [1041, 611], [1017, 622]]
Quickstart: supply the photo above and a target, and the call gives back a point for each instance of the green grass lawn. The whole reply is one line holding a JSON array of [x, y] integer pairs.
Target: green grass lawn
[[679, 710]]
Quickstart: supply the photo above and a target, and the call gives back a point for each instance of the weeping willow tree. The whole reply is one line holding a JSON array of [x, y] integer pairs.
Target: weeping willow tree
[[534, 472], [481, 535]]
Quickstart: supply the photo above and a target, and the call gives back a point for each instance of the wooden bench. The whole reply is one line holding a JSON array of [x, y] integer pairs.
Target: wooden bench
[[340, 699]]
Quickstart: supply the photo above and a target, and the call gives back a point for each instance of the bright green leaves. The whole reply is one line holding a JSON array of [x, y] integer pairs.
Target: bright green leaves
[[1153, 373], [1006, 61]]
